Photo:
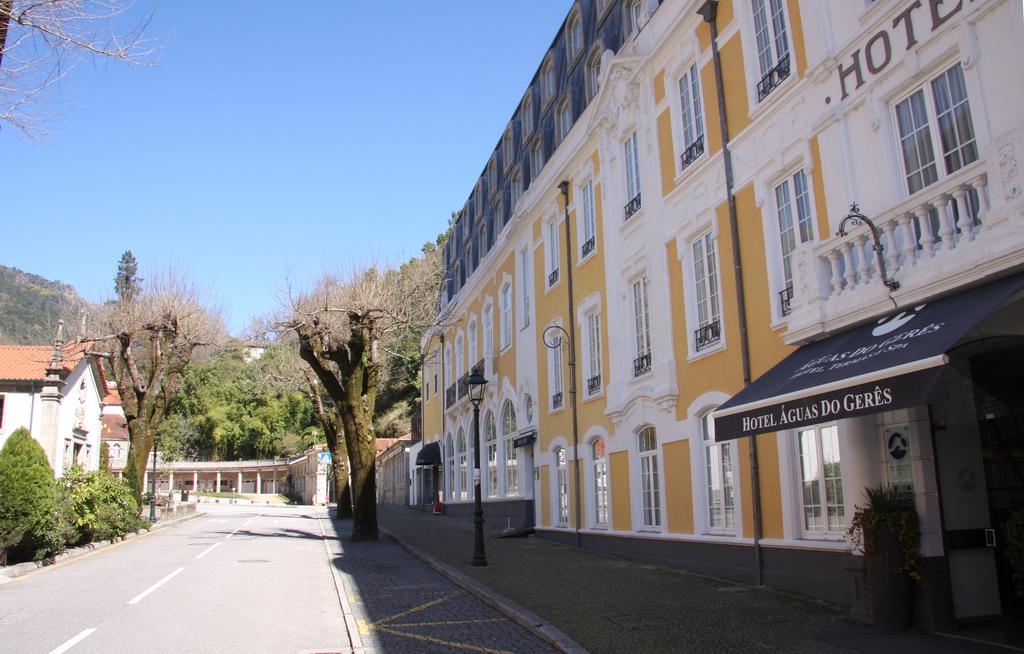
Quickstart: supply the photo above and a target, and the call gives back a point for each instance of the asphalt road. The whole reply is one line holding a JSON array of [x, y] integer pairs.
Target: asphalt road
[[238, 579]]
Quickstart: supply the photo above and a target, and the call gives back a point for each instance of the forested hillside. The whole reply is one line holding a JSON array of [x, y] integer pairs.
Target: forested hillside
[[30, 306]]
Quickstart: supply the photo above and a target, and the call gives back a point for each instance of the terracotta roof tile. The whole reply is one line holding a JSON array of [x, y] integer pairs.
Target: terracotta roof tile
[[29, 362], [114, 427]]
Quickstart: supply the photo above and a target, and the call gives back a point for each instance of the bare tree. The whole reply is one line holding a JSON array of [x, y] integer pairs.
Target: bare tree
[[41, 41], [149, 335], [349, 328]]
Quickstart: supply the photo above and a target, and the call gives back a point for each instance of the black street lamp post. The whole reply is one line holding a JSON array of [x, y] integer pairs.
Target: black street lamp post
[[476, 383], [152, 484]]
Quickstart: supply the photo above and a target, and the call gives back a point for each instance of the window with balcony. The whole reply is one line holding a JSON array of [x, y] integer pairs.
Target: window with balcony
[[772, 45], [460, 356], [472, 341], [796, 226], [449, 476], [447, 366], [589, 241], [632, 160], [692, 116], [554, 253], [593, 361], [641, 328], [705, 273], [487, 320], [555, 376], [463, 467]]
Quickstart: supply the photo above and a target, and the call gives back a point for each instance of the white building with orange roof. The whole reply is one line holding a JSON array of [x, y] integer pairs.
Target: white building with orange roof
[[55, 391], [114, 430]]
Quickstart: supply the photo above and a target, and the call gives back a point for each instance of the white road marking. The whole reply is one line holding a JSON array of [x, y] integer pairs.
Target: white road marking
[[208, 550], [74, 641], [138, 598]]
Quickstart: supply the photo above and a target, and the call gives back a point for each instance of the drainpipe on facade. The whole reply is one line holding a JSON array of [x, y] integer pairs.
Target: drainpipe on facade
[[709, 12], [444, 415], [564, 188]]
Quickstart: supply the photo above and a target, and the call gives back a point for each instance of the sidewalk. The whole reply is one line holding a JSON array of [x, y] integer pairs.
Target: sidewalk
[[607, 604]]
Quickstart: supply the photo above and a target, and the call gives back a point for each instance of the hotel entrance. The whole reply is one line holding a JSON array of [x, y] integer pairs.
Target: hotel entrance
[[979, 444]]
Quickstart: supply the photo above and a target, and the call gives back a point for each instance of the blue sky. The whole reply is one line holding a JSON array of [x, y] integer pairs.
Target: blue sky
[[269, 143]]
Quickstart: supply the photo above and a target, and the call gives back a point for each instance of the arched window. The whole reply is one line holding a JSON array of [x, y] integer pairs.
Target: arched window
[[459, 354], [505, 308], [600, 468], [508, 432], [547, 81], [633, 16], [491, 438], [447, 367], [488, 327], [593, 75], [463, 494], [721, 501], [574, 36], [647, 444], [562, 487], [449, 477]]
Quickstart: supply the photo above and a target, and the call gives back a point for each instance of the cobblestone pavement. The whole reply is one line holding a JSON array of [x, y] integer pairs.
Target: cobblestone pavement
[[401, 605], [607, 604]]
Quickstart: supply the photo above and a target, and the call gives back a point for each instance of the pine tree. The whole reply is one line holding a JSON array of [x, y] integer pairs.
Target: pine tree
[[28, 507], [105, 457], [126, 283]]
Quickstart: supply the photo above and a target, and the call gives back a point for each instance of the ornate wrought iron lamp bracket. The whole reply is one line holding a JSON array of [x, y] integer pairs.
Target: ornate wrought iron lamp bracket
[[855, 217]]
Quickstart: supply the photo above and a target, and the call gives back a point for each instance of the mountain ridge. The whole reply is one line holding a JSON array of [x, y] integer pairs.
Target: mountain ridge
[[31, 305]]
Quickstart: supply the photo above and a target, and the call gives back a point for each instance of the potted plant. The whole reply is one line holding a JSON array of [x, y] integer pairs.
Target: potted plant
[[888, 530]]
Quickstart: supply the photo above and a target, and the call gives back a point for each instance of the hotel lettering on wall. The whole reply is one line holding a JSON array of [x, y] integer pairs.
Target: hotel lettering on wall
[[876, 53]]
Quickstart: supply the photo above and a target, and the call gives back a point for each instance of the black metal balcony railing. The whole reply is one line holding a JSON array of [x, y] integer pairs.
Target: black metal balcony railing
[[556, 401], [553, 277], [692, 151], [449, 396], [633, 206], [478, 368], [785, 300], [593, 384], [642, 364], [463, 385], [708, 334], [589, 246], [773, 78]]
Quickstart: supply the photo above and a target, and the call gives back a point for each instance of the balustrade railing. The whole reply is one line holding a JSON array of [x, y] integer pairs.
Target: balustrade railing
[[786, 300], [556, 401], [588, 246], [642, 364], [633, 206], [933, 221], [463, 385], [706, 335], [593, 384], [692, 151], [773, 78], [553, 277], [449, 396]]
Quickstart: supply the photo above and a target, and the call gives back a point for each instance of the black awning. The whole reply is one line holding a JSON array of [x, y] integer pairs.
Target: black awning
[[429, 455], [885, 365]]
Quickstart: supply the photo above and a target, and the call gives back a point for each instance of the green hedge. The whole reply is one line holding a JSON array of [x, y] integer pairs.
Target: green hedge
[[39, 516]]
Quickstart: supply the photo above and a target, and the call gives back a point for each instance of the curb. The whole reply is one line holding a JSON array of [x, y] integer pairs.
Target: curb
[[10, 573], [515, 612]]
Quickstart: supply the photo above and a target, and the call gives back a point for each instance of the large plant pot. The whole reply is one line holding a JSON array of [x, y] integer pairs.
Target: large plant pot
[[890, 592]]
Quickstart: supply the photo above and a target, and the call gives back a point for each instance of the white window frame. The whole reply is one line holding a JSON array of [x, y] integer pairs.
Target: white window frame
[[505, 309], [927, 90], [491, 441], [563, 119], [719, 465], [556, 382], [448, 366], [463, 453], [526, 115], [760, 66], [588, 224], [517, 188], [650, 481], [536, 159], [548, 87], [574, 36], [592, 75], [633, 15], [640, 293], [787, 205], [524, 291], [831, 530], [600, 487], [460, 344], [554, 253], [631, 148], [450, 489], [510, 464], [507, 149], [487, 322], [703, 285], [691, 112], [593, 364], [472, 340], [561, 494]]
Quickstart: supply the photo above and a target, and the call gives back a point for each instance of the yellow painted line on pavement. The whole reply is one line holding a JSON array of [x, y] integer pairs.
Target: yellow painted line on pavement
[[446, 643], [416, 609], [443, 622], [364, 629]]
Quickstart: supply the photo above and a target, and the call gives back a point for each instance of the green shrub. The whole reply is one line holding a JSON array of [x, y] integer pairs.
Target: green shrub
[[101, 505], [30, 519]]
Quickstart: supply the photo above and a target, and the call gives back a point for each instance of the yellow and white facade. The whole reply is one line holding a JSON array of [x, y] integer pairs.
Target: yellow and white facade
[[906, 107]]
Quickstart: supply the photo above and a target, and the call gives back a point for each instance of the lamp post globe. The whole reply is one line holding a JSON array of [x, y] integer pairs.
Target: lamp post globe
[[476, 383]]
